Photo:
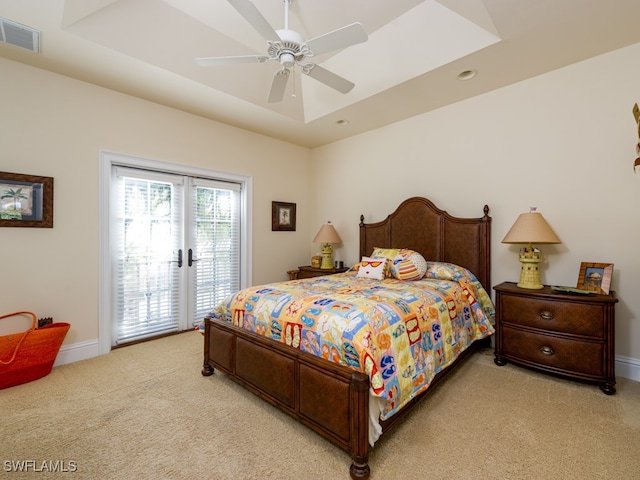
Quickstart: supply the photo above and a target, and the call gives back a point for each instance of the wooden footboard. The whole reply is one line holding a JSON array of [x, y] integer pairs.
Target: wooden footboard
[[330, 399]]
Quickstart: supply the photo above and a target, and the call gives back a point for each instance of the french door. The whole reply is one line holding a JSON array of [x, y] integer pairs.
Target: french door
[[175, 243]]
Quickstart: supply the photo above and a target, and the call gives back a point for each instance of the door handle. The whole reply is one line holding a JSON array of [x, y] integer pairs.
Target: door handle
[[191, 259]]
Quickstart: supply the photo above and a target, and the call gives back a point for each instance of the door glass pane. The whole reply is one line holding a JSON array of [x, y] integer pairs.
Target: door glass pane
[[148, 245], [215, 272]]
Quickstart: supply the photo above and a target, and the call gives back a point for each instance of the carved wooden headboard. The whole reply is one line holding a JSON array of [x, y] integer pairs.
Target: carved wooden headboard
[[421, 226]]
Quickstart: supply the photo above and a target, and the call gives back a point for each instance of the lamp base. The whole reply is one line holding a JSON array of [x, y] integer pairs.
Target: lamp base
[[530, 273], [327, 257]]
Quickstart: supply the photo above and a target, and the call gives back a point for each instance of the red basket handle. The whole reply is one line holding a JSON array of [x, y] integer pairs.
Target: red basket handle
[[33, 327]]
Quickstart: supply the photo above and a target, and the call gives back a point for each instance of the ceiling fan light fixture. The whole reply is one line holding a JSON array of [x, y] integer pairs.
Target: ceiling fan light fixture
[[287, 60]]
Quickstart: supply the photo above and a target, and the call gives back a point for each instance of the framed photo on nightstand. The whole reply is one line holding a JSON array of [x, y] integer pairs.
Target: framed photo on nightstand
[[595, 277]]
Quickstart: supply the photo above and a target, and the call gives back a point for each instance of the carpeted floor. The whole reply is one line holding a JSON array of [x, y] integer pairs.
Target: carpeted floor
[[145, 412]]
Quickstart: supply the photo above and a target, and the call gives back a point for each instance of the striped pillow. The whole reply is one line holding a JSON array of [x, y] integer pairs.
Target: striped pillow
[[408, 265]]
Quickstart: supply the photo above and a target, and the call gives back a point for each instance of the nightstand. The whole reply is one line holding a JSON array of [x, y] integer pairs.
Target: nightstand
[[558, 333], [308, 272]]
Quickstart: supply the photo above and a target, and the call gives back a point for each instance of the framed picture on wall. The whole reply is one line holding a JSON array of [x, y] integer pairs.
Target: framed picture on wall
[[595, 277], [283, 216], [26, 200]]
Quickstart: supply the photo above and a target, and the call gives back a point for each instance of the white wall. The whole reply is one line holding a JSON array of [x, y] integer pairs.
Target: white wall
[[55, 126], [564, 142]]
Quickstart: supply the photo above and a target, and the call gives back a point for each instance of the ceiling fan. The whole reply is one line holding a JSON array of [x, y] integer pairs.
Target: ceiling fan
[[289, 48]]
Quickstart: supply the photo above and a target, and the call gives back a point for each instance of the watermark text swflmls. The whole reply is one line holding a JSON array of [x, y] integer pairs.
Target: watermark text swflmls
[[36, 466]]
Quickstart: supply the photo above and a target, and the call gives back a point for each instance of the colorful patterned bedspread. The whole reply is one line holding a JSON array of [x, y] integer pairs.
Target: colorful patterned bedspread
[[400, 333]]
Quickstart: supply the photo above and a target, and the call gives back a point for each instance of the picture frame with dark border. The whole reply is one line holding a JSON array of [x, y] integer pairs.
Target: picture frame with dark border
[[26, 200], [283, 216], [595, 277]]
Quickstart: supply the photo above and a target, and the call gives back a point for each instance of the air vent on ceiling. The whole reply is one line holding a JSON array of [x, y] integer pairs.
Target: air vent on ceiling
[[18, 35]]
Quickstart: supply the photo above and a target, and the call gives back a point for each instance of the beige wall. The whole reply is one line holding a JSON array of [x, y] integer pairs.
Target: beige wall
[[54, 126], [564, 142]]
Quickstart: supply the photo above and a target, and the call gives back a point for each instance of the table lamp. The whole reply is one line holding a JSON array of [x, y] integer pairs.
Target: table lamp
[[327, 235], [530, 228]]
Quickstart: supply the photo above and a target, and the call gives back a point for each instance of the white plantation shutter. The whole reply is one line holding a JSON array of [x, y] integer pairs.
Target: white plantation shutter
[[148, 234], [215, 244]]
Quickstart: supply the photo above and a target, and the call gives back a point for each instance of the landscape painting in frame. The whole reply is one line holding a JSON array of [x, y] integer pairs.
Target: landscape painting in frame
[[26, 200]]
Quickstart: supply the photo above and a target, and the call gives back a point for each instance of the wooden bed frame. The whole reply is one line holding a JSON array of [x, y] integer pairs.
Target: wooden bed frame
[[331, 399]]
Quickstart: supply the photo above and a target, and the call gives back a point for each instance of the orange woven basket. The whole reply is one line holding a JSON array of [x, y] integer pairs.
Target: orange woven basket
[[29, 355]]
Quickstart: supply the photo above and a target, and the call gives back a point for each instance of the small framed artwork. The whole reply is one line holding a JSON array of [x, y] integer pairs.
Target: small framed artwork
[[26, 200], [595, 277], [283, 216]]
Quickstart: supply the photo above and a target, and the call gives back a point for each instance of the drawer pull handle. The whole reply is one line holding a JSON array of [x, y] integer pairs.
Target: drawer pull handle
[[546, 350], [546, 315]]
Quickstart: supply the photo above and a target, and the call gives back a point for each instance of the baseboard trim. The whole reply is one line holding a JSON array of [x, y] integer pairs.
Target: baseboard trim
[[77, 351], [626, 367]]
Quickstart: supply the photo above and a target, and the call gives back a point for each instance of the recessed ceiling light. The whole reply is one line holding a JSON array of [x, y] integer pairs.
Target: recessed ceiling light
[[342, 123], [467, 75]]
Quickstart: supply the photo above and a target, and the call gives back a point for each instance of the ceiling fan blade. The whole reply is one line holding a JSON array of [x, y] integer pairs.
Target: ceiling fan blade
[[252, 15], [278, 86], [215, 61], [330, 79], [341, 38]]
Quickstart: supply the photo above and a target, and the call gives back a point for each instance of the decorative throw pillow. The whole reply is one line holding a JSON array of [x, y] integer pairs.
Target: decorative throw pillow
[[372, 268], [444, 271], [408, 265], [389, 254]]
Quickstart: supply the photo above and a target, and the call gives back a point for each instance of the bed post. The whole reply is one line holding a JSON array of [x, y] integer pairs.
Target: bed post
[[363, 239], [359, 469], [207, 369], [486, 249]]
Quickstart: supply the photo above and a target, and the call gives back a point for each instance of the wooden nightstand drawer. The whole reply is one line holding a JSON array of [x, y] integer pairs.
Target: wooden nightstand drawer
[[576, 318], [564, 354]]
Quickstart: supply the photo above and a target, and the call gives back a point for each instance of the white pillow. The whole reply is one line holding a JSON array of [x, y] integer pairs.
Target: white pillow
[[372, 268]]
